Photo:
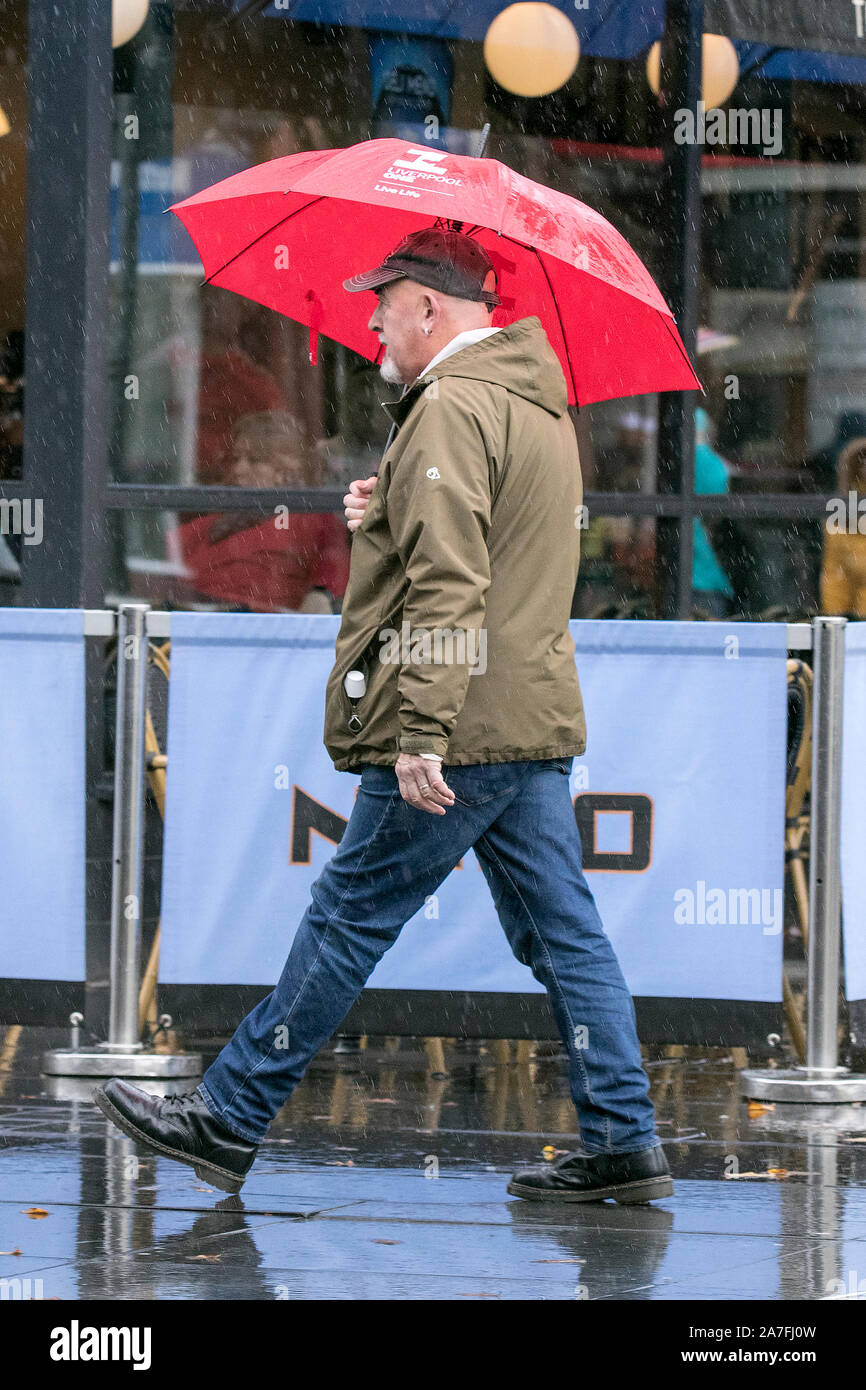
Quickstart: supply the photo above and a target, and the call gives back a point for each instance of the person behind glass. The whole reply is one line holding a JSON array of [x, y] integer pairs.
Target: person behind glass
[[469, 530], [231, 384], [630, 541], [843, 575], [11, 404], [11, 440], [281, 562], [712, 592]]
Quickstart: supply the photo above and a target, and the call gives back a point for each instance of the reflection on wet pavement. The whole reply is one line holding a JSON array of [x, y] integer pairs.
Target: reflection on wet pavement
[[381, 1180]]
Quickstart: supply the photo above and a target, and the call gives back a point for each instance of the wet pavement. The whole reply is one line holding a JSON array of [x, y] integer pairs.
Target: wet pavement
[[381, 1180]]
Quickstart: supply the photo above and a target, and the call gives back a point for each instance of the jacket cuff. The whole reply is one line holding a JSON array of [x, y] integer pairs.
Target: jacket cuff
[[424, 743]]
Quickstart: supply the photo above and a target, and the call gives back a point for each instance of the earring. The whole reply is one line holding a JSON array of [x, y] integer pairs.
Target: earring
[[428, 331]]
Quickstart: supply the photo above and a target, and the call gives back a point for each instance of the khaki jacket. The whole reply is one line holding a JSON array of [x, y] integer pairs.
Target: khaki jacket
[[463, 569]]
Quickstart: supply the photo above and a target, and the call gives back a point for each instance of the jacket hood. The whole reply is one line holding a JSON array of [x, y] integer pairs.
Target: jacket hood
[[518, 357]]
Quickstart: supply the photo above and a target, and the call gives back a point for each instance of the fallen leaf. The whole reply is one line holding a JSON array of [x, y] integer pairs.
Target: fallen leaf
[[10, 1252], [756, 1109], [549, 1152], [36, 1212]]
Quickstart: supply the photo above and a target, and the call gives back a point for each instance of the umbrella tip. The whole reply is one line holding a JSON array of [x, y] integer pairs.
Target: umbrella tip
[[482, 143]]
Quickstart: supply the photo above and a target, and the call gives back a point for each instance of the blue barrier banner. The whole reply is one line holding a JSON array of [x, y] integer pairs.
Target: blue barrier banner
[[679, 798], [854, 812], [42, 794]]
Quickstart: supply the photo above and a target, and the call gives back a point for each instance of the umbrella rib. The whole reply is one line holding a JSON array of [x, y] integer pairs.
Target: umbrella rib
[[267, 232], [526, 247], [561, 324], [668, 323]]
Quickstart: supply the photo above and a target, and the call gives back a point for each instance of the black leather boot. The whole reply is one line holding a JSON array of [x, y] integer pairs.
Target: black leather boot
[[178, 1127], [643, 1176]]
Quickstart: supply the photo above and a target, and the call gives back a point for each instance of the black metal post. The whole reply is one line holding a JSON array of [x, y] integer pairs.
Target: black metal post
[[65, 435], [681, 194]]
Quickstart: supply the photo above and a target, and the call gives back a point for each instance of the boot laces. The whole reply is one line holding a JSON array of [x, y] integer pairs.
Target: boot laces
[[181, 1103]]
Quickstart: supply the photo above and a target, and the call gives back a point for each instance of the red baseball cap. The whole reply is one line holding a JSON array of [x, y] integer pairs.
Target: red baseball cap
[[449, 262]]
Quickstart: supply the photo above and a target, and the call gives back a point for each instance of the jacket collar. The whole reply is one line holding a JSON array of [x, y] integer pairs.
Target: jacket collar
[[399, 409]]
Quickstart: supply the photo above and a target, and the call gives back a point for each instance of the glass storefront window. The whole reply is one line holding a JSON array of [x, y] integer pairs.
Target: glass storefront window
[[217, 389], [13, 180], [275, 561], [785, 283], [619, 569]]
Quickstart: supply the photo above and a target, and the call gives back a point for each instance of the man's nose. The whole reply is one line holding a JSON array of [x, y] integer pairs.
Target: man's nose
[[374, 325]]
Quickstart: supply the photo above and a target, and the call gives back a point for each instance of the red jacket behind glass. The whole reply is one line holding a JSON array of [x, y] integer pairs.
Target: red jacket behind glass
[[265, 566]]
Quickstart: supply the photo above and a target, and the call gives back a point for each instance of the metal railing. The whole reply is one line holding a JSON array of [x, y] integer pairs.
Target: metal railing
[[820, 1080], [123, 1054]]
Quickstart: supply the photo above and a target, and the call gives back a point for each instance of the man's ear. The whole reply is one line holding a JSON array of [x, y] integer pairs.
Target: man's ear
[[429, 312]]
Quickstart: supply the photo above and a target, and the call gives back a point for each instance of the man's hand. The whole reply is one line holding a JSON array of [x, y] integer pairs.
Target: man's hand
[[422, 784], [356, 499]]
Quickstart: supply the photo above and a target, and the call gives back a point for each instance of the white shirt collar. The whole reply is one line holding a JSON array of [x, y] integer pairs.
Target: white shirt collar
[[462, 340]]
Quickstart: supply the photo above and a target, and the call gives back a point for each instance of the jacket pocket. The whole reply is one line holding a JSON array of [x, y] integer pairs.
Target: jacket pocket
[[363, 658]]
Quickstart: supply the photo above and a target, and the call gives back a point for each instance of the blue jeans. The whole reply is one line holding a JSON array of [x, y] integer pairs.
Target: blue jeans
[[519, 819]]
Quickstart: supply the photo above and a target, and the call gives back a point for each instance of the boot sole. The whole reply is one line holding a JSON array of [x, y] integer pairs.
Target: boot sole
[[644, 1190], [206, 1172]]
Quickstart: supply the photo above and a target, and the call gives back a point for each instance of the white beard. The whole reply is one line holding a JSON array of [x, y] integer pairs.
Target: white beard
[[389, 371]]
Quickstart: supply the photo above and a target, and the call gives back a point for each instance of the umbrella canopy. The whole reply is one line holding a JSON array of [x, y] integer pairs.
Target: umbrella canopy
[[286, 233]]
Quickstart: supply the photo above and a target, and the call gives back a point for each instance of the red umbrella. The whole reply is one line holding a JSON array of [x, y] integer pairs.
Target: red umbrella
[[288, 232]]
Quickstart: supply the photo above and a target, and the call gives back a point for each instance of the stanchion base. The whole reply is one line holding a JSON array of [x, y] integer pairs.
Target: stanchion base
[[801, 1086], [79, 1089], [98, 1061]]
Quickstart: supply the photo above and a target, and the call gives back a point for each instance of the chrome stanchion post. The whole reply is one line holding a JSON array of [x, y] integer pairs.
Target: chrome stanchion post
[[825, 887], [126, 878], [124, 1054], [821, 1081]]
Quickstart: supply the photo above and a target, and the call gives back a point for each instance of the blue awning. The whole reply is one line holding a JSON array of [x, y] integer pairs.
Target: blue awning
[[606, 28], [788, 63], [623, 28]]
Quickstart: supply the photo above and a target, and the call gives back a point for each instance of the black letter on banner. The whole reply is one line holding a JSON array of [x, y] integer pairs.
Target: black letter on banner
[[309, 815], [640, 808]]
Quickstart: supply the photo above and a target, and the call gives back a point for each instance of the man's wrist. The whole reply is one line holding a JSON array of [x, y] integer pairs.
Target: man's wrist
[[415, 744]]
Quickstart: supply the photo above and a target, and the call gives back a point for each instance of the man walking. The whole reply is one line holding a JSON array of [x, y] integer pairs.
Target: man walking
[[462, 714]]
